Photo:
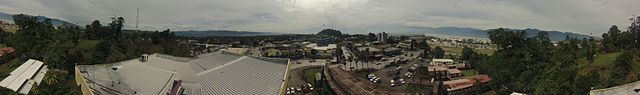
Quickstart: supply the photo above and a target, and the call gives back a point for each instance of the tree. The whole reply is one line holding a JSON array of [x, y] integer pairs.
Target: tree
[[610, 39], [584, 83], [438, 52], [466, 53], [634, 29], [372, 37], [116, 26]]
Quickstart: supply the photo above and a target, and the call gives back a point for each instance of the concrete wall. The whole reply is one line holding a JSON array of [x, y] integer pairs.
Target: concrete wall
[[80, 82]]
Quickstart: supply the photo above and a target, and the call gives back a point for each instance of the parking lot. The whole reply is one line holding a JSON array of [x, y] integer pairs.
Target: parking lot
[[386, 74], [385, 61]]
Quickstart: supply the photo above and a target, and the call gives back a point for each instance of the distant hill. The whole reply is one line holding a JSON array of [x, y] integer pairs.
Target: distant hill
[[55, 22], [471, 32], [330, 32], [206, 33]]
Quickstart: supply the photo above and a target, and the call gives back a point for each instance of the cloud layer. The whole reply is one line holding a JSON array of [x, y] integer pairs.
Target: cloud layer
[[351, 16]]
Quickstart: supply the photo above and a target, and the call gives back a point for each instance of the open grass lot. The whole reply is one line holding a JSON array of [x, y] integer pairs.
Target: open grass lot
[[2, 46], [88, 44], [415, 88], [13, 29], [469, 72], [310, 74], [602, 63], [605, 62], [458, 50], [321, 88]]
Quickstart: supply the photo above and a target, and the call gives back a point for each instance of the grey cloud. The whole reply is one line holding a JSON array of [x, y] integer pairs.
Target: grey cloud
[[352, 16]]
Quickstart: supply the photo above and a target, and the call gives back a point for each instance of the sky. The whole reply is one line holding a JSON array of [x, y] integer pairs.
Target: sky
[[349, 16]]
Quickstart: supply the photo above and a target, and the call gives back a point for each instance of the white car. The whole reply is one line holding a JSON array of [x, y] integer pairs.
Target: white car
[[402, 81], [377, 80]]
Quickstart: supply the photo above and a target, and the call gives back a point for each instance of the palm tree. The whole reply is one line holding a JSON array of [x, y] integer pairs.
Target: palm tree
[[34, 89], [357, 64], [52, 78]]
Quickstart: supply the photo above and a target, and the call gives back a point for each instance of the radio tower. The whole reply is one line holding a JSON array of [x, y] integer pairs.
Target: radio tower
[[137, 17]]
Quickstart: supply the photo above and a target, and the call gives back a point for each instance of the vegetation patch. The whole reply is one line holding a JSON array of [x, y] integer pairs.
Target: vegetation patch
[[415, 88]]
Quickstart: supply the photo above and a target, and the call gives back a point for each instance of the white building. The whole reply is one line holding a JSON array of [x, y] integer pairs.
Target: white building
[[441, 62], [382, 37], [25, 76]]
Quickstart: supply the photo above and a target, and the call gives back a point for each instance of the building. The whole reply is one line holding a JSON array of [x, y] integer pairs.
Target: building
[[465, 86], [626, 89], [217, 73], [441, 62], [25, 76], [382, 37], [6, 50], [450, 73], [392, 51], [326, 50]]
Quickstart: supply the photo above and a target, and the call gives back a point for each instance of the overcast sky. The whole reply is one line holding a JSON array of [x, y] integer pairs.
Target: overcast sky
[[350, 16]]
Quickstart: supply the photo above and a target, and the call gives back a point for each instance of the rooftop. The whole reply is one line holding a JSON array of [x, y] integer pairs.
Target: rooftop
[[465, 82], [316, 47], [626, 89], [27, 74], [451, 60], [214, 73]]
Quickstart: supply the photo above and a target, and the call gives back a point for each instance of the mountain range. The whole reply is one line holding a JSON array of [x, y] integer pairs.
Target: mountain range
[[206, 33], [55, 22], [409, 30], [479, 33]]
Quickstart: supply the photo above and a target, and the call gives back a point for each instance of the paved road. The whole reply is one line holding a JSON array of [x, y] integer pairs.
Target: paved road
[[306, 62]]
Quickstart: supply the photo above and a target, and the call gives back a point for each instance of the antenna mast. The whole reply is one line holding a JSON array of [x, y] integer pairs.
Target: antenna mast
[[137, 17]]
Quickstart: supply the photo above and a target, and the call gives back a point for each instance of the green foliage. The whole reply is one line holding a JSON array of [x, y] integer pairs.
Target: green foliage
[[438, 52], [466, 53], [585, 82], [330, 32], [534, 65]]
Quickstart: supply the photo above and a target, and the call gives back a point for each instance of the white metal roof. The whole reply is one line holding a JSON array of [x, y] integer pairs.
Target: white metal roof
[[24, 75], [240, 75], [443, 60]]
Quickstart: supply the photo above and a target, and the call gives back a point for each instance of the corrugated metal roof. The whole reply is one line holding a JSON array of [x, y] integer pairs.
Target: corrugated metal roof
[[23, 75]]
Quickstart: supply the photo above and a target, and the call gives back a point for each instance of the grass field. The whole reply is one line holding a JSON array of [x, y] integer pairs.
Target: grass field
[[13, 29], [600, 63], [322, 88], [605, 62], [310, 74], [458, 50], [2, 46], [88, 44], [469, 72]]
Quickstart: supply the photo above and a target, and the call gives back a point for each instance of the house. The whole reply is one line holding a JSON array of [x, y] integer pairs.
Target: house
[[465, 86], [6, 50], [450, 73]]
